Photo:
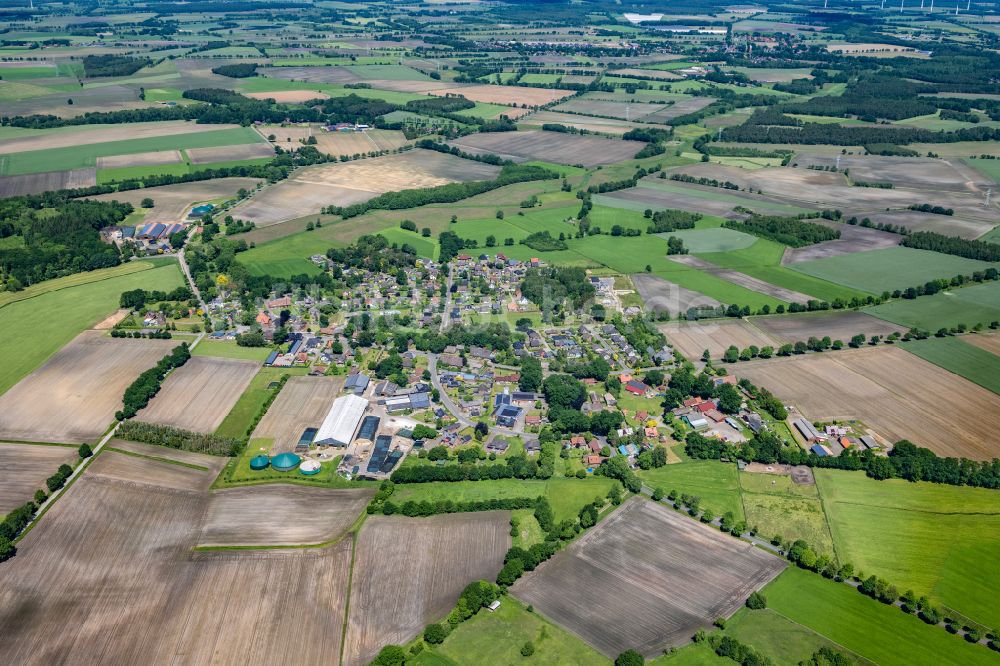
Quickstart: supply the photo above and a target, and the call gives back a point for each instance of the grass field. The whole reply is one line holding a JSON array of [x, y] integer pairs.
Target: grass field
[[502, 633], [630, 255], [712, 240], [239, 418], [85, 155], [776, 506], [567, 496], [957, 356], [715, 483], [783, 640], [33, 328], [935, 539], [180, 169], [425, 247], [227, 349], [969, 305], [286, 256], [989, 168], [887, 269], [762, 260], [877, 632]]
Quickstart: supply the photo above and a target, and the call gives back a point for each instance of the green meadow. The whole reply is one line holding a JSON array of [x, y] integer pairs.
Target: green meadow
[[36, 326], [717, 484], [969, 305], [935, 539], [958, 356]]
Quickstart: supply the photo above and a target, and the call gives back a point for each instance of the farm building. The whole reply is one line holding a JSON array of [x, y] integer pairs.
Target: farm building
[[369, 426], [356, 383], [808, 431], [341, 421]]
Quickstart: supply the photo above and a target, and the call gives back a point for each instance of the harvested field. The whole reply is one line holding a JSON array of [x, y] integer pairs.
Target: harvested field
[[302, 403], [551, 146], [591, 124], [74, 396], [342, 184], [280, 514], [214, 463], [742, 279], [24, 468], [511, 95], [152, 158], [692, 338], [621, 110], [144, 471], [409, 572], [198, 395], [662, 295], [88, 134], [62, 597], [920, 173], [173, 201], [662, 193], [247, 151], [352, 143], [988, 341], [289, 96], [825, 189], [852, 239], [658, 74], [646, 578], [842, 325], [310, 74], [895, 393], [942, 224], [36, 183], [679, 108]]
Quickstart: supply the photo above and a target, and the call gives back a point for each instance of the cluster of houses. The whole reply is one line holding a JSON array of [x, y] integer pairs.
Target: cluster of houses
[[488, 286], [376, 291], [152, 238], [833, 439]]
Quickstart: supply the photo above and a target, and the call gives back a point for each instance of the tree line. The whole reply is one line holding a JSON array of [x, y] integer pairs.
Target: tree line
[[790, 231], [176, 438], [961, 247], [146, 385]]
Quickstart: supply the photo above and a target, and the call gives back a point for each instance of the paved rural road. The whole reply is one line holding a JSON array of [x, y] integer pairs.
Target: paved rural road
[[194, 288], [447, 301], [446, 400]]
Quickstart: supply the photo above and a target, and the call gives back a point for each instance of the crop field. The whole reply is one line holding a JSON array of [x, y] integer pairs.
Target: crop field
[[895, 393], [289, 96], [81, 135], [501, 634], [29, 334], [73, 397], [888, 269], [86, 155], [302, 403], [776, 505], [659, 294], [156, 470], [62, 596], [948, 225], [152, 158], [714, 239], [341, 184], [879, 633], [933, 538], [988, 341], [589, 123], [970, 305], [198, 395], [339, 74], [717, 484], [555, 147], [35, 183], [853, 239], [247, 151], [279, 514], [24, 468], [596, 107], [660, 194], [171, 202], [335, 143], [507, 95], [163, 453], [630, 254], [567, 496], [958, 356], [742, 279], [839, 325], [680, 576], [920, 173], [409, 572], [229, 349], [692, 338], [824, 189]]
